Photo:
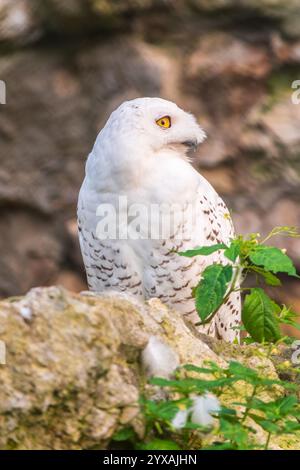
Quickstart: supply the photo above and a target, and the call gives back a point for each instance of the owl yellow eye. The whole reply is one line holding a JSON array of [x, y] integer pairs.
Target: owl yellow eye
[[164, 121]]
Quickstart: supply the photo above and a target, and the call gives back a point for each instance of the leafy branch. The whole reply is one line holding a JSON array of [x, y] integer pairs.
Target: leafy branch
[[261, 316], [232, 426], [174, 422]]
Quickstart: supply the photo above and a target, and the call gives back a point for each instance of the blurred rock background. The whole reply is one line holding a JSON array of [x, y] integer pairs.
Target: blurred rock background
[[68, 63]]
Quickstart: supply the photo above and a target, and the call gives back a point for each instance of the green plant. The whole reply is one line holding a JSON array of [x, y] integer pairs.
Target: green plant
[[236, 425], [261, 408], [261, 316]]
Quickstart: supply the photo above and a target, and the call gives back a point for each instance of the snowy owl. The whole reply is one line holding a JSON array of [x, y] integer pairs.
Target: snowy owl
[[140, 161]]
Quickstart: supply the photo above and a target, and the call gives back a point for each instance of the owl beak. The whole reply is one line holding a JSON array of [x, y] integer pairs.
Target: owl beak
[[191, 144]]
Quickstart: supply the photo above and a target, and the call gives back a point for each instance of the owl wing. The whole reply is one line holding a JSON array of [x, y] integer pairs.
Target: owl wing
[[172, 277], [153, 268], [109, 264]]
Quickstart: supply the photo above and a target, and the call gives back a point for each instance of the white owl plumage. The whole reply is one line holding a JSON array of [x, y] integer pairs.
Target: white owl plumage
[[133, 157]]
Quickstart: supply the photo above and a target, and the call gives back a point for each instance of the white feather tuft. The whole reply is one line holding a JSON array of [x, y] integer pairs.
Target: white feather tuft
[[203, 408], [158, 359], [200, 412], [180, 419], [26, 312]]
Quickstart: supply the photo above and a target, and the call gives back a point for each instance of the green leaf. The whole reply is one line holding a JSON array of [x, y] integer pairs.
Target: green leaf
[[277, 409], [227, 413], [269, 278], [288, 317], [190, 385], [124, 435], [212, 288], [235, 432], [161, 410], [248, 340], [287, 405], [258, 317], [159, 444], [233, 251], [290, 323], [203, 370], [266, 424], [290, 427], [237, 369], [272, 259], [240, 372], [204, 250]]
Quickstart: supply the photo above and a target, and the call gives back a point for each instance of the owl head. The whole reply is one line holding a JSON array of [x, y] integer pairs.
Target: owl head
[[152, 124]]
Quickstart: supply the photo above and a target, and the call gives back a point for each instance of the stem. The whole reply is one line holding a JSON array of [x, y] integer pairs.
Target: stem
[[242, 289], [267, 238], [275, 231], [158, 428], [248, 407], [269, 349], [267, 441]]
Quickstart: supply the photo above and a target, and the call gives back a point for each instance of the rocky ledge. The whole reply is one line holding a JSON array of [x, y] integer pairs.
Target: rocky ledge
[[73, 370]]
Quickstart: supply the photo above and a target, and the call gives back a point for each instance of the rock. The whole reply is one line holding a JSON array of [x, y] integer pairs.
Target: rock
[[287, 52], [247, 221], [73, 251], [208, 5], [222, 179], [282, 121], [285, 212], [73, 377], [228, 71], [76, 16], [30, 251], [18, 24], [46, 178], [287, 12], [50, 176], [23, 21], [44, 156], [67, 16], [221, 55]]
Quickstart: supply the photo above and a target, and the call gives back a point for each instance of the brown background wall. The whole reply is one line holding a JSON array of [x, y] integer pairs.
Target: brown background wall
[[67, 64]]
